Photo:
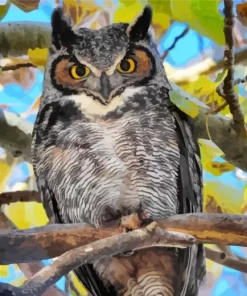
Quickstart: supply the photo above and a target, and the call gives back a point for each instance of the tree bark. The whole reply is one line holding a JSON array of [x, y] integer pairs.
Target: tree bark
[[17, 37], [53, 240]]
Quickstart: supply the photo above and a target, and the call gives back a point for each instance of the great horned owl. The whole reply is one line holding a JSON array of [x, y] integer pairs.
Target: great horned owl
[[108, 142]]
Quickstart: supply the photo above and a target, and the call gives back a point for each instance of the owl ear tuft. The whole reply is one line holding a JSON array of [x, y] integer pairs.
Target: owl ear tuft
[[61, 28], [138, 29]]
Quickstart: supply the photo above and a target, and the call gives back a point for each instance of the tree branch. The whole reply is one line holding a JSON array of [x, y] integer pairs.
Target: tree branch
[[28, 269], [208, 228], [16, 137], [223, 259], [206, 67], [16, 134], [37, 34], [228, 92], [16, 67], [185, 31], [31, 34], [223, 135], [50, 241], [149, 236], [19, 196]]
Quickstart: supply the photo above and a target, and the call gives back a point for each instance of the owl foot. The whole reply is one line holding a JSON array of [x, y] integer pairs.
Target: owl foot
[[130, 222], [134, 221]]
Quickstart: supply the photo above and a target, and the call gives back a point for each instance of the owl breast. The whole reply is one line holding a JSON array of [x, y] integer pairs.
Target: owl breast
[[110, 168]]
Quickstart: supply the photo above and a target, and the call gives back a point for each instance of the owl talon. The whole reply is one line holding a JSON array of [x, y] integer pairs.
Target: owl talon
[[130, 222]]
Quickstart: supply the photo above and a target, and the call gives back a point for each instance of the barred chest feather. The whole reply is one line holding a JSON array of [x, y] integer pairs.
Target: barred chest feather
[[110, 168]]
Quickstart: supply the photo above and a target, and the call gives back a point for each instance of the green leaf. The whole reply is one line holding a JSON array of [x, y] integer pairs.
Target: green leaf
[[221, 75], [202, 16], [4, 9], [208, 21], [187, 106]]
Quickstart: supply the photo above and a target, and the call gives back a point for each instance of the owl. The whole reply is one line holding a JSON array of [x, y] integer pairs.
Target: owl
[[108, 143]]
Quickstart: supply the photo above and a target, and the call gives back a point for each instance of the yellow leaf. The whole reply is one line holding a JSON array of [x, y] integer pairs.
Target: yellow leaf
[[244, 203], [208, 152], [4, 270], [78, 285], [4, 9], [208, 149], [81, 10], [217, 168], [128, 13], [187, 106], [17, 213], [241, 10], [4, 174], [19, 281], [35, 214], [204, 89], [161, 22], [26, 5], [38, 56], [222, 198]]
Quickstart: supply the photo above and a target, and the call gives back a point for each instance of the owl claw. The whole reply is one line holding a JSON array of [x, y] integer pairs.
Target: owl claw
[[134, 221], [130, 222]]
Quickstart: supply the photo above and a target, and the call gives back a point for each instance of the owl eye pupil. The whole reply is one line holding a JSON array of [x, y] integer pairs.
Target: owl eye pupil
[[80, 71], [125, 65]]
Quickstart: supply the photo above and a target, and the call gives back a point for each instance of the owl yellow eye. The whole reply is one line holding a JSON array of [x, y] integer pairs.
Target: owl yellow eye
[[79, 71], [126, 66]]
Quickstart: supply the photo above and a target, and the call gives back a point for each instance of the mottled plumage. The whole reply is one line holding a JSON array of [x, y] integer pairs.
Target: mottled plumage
[[108, 142]]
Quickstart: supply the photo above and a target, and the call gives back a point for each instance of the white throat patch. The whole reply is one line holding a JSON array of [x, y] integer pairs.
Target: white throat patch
[[91, 108]]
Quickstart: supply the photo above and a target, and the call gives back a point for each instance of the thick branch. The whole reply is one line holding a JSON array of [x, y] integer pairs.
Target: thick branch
[[16, 134], [17, 37], [98, 250], [53, 240], [28, 269], [37, 34], [223, 135]]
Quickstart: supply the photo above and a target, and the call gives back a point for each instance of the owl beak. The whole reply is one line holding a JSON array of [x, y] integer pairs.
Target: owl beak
[[105, 89]]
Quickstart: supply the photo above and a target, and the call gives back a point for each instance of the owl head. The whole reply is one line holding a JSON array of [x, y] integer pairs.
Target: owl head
[[100, 69]]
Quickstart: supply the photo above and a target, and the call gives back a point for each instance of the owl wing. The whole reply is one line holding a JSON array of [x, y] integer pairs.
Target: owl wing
[[191, 263], [85, 273]]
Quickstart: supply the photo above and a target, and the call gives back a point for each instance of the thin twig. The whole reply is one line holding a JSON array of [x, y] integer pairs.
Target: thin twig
[[240, 80], [228, 91], [19, 196], [16, 67], [185, 31], [223, 259]]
